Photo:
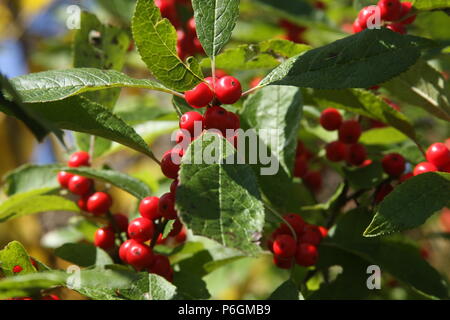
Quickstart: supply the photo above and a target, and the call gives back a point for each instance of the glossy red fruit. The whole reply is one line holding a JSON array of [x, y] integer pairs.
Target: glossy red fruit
[[306, 255], [176, 228], [166, 206], [182, 236], [301, 167], [216, 118], [99, 203], [438, 154], [104, 238], [79, 159], [233, 121], [350, 131], [64, 178], [295, 221], [313, 180], [123, 250], [382, 191], [82, 202], [357, 27], [200, 96], [170, 163], [323, 231], [397, 27], [355, 154], [139, 255], [311, 234], [228, 90], [406, 176], [335, 151], [330, 119], [390, 10], [17, 269], [141, 229], [168, 10], [283, 263], [50, 297], [173, 187], [190, 26], [424, 167], [148, 208], [183, 138], [121, 221], [284, 246], [161, 267], [393, 164], [365, 14], [405, 11], [190, 121], [80, 185]]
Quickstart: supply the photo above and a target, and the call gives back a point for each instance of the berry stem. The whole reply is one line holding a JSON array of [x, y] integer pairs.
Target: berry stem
[[251, 90], [160, 229], [91, 146]]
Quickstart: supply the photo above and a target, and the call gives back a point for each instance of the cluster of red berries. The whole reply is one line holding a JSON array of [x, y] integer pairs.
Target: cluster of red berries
[[438, 159], [397, 13], [346, 147], [297, 242], [187, 41]]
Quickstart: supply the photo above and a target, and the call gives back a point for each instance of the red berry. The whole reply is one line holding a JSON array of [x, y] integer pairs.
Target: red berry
[[284, 246], [397, 27], [168, 10], [323, 231], [300, 148], [80, 185], [191, 26], [216, 118], [390, 10], [406, 176], [121, 221], [182, 236], [183, 138], [176, 228], [82, 202], [335, 151], [330, 119], [365, 14], [306, 255], [283, 263], [301, 167], [161, 267], [64, 178], [104, 238], [200, 96], [123, 250], [382, 192], [170, 163], [350, 131], [313, 180], [311, 234], [295, 221], [406, 9], [190, 121], [99, 203], [424, 167], [50, 297], [445, 168], [355, 154], [357, 27], [166, 206], [148, 208], [139, 255], [17, 269], [233, 121], [173, 187], [228, 90], [141, 229], [438, 154], [393, 164], [79, 159]]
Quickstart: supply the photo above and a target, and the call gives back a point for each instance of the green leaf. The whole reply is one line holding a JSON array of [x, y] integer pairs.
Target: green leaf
[[32, 202], [60, 84], [100, 46], [14, 254], [58, 237], [83, 254], [286, 291], [411, 204], [424, 87], [231, 211], [121, 180], [81, 115], [24, 285], [266, 54], [290, 7], [181, 106], [274, 113], [14, 107], [431, 4], [156, 41], [346, 63], [167, 228], [382, 136], [364, 103], [366, 177], [29, 177], [215, 21], [150, 287]]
